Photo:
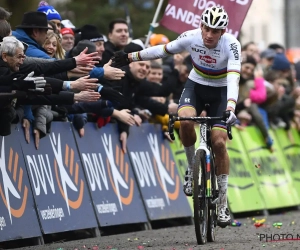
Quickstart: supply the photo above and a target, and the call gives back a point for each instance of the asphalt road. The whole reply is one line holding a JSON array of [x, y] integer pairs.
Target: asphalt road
[[247, 236]]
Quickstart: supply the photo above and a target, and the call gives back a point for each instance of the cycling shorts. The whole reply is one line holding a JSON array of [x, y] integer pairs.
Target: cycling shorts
[[197, 95]]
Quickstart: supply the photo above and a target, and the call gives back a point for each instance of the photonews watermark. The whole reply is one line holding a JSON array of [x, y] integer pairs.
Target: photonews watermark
[[278, 237]]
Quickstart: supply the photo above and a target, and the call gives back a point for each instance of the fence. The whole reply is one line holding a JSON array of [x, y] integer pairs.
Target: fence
[[73, 183]]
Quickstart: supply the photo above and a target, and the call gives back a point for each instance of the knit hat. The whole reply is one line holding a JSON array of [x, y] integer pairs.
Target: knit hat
[[281, 62], [156, 39], [49, 11], [67, 31], [90, 32]]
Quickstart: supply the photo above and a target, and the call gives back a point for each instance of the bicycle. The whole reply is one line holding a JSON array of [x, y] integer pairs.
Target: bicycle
[[204, 196]]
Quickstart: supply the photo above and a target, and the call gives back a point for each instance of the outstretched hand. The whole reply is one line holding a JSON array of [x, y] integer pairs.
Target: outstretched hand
[[87, 59], [120, 59], [112, 73]]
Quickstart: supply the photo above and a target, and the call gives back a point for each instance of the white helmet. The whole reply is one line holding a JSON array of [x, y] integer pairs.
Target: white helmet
[[215, 18]]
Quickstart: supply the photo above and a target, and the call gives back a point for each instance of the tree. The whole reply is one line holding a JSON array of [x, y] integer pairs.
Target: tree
[[101, 12], [18, 8]]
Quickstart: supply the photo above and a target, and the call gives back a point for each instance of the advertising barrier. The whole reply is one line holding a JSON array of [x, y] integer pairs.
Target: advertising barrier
[[274, 182], [156, 173], [289, 143], [243, 193], [17, 208], [180, 161], [58, 183], [113, 187], [73, 183]]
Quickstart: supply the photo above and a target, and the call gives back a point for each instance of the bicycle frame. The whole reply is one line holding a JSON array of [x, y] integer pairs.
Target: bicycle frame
[[203, 139]]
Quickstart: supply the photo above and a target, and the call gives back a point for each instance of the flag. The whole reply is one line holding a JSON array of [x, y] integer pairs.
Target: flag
[[183, 15]]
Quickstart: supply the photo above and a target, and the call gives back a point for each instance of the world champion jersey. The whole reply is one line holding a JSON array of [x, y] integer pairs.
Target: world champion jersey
[[215, 67]]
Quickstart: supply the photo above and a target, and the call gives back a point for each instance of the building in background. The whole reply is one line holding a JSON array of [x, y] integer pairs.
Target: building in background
[[265, 23]]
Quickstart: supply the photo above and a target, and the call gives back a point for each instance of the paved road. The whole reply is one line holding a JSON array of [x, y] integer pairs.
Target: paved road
[[177, 238]]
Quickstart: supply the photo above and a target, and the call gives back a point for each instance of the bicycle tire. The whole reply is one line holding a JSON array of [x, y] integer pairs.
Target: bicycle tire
[[199, 198], [212, 213]]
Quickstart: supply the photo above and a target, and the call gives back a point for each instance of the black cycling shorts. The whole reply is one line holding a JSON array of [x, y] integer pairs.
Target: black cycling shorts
[[197, 95]]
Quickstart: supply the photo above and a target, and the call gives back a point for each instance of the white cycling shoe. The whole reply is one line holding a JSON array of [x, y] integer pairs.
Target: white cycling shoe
[[188, 182], [223, 218]]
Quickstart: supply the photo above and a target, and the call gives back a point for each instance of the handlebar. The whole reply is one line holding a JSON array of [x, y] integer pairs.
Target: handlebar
[[200, 119]]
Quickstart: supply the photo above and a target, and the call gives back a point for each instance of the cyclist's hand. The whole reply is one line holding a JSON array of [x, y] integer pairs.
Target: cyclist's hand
[[120, 59], [231, 119]]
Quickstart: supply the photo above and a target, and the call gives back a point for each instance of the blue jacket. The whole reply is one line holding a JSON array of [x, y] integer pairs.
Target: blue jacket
[[34, 49], [97, 72]]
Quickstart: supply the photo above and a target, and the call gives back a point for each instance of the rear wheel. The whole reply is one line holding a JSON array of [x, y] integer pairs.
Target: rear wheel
[[200, 202]]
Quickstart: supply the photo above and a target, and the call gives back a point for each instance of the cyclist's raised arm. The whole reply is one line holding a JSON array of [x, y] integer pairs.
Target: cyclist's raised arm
[[233, 72], [160, 51]]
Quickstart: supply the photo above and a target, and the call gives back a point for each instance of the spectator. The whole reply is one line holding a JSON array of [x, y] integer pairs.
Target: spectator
[[117, 38], [135, 87], [90, 32], [53, 47], [33, 31], [277, 47], [245, 104], [251, 49], [267, 59], [68, 39], [52, 14]]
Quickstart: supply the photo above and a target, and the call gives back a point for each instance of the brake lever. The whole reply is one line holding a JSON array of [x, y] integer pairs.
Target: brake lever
[[225, 117]]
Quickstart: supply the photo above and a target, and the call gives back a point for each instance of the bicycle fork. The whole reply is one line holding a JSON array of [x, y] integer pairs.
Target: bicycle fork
[[203, 146]]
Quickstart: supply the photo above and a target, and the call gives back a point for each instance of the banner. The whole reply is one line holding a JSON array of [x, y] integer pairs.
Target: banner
[[243, 193], [18, 218], [290, 146], [274, 181], [156, 174], [115, 194], [58, 183], [181, 161], [181, 16]]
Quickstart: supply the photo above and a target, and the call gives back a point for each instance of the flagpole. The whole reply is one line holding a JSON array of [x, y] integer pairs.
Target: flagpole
[[154, 24]]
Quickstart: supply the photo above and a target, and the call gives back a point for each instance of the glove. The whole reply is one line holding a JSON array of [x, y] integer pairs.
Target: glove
[[114, 96], [39, 82], [47, 90], [231, 118], [120, 59], [22, 85]]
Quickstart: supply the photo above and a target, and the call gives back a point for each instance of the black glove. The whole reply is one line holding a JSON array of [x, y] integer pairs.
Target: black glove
[[47, 90], [29, 83], [22, 85], [114, 96], [120, 59]]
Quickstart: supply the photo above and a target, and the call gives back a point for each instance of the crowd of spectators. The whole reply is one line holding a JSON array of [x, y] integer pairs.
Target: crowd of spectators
[[51, 70]]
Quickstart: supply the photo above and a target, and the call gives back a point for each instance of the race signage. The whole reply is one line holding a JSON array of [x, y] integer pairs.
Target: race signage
[[156, 173], [275, 183], [115, 194], [242, 181], [16, 202], [58, 182], [181, 16]]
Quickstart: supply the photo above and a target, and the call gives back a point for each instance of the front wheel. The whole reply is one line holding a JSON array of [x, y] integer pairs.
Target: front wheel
[[212, 214], [200, 201]]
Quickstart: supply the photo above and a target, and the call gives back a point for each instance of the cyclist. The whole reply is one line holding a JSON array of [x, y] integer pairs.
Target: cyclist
[[214, 79]]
